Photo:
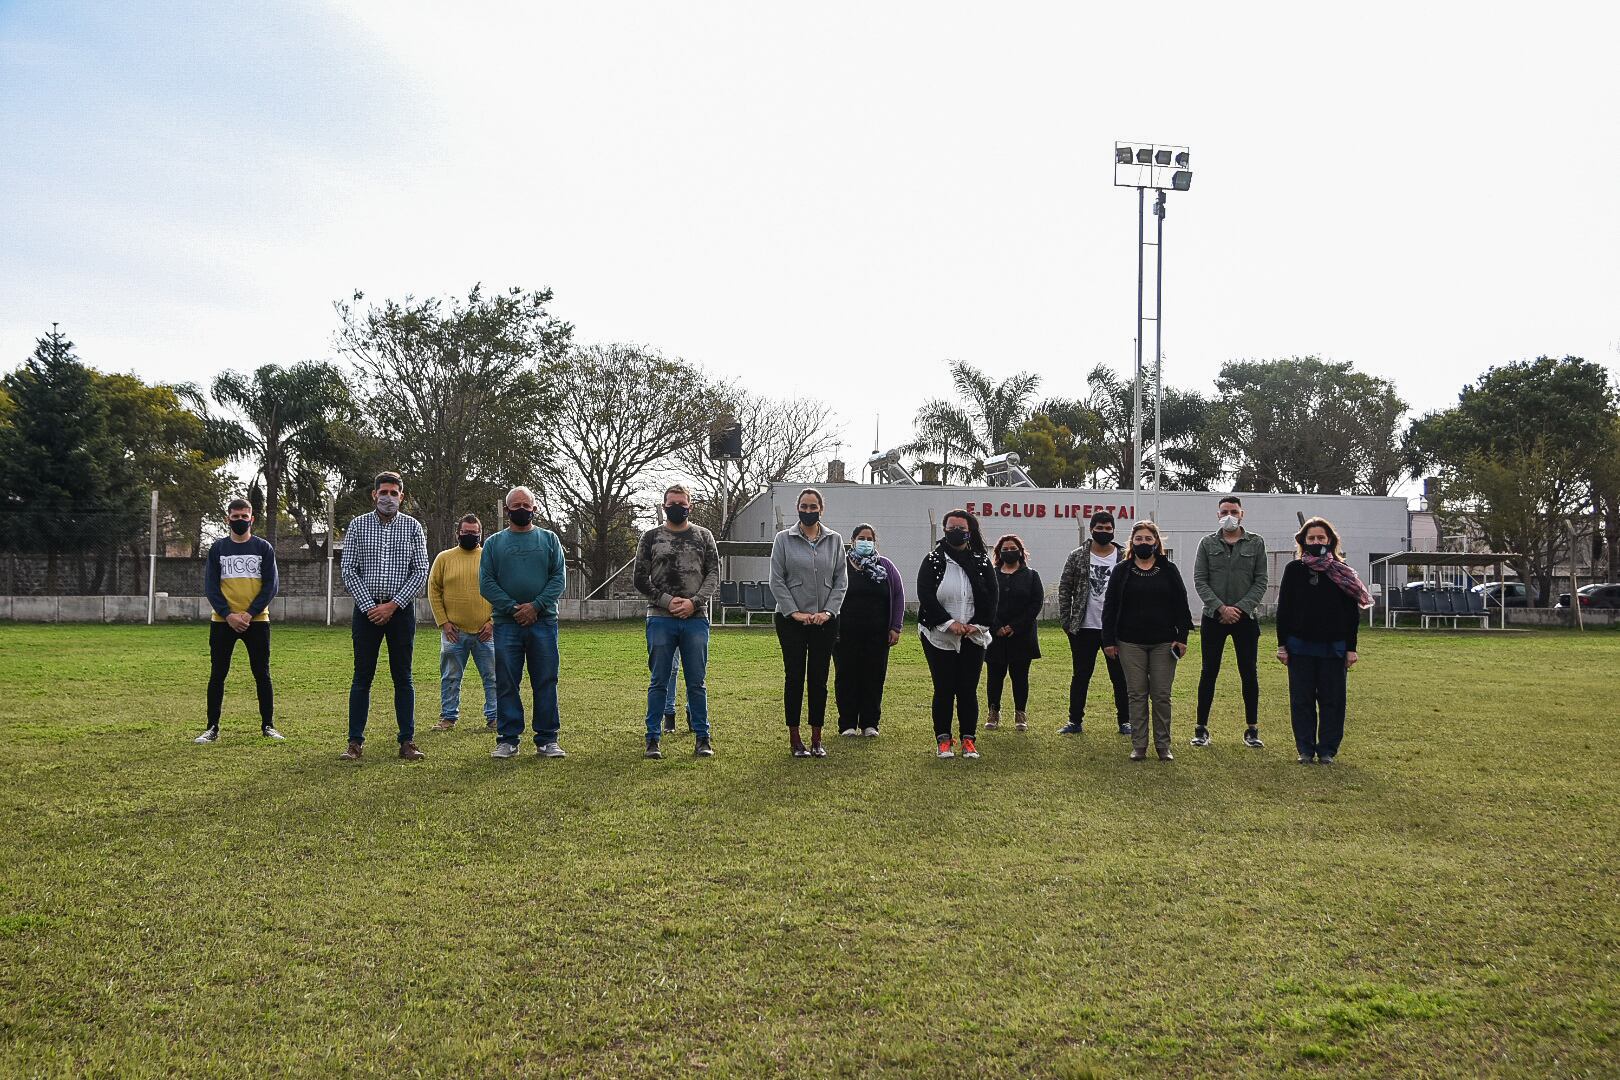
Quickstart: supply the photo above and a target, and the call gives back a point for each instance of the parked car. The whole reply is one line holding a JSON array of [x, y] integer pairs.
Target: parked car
[[1595, 597], [1516, 593]]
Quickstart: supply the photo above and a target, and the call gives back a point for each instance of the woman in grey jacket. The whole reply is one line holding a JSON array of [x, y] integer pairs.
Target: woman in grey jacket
[[809, 574]]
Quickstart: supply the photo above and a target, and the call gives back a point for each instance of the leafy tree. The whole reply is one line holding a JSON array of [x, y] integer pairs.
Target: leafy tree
[[780, 441], [978, 427], [291, 419], [463, 391], [1604, 471], [942, 434], [1310, 426], [1050, 453], [1190, 461], [1516, 455], [623, 411]]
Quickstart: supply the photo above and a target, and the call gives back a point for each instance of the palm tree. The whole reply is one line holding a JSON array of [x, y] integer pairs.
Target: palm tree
[[1190, 462], [289, 418], [976, 429]]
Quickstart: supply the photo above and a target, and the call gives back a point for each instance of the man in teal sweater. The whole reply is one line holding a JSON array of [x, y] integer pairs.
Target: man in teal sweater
[[521, 575]]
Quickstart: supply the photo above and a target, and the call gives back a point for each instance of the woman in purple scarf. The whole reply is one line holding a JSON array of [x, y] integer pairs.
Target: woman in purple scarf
[[1319, 606]]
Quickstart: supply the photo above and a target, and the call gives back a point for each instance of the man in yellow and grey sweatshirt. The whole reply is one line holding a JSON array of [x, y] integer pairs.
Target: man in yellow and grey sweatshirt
[[464, 622], [239, 579]]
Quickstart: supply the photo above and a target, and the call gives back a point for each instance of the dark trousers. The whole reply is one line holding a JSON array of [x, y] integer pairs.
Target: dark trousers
[[862, 655], [1084, 646], [1245, 635], [1316, 694], [806, 656], [998, 670], [956, 683], [400, 633], [221, 644]]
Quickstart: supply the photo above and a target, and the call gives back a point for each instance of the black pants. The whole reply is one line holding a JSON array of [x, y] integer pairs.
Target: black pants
[[1245, 635], [1316, 695], [1083, 649], [221, 644], [956, 683], [400, 633], [806, 655], [997, 668], [862, 655]]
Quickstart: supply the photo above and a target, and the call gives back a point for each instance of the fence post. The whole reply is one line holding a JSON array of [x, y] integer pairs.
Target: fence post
[[151, 570], [331, 533]]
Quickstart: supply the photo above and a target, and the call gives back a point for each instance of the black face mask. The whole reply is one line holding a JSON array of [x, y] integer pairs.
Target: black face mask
[[1102, 539], [676, 514], [468, 541], [520, 515], [240, 528], [1317, 549], [1144, 551], [956, 537], [808, 518], [1010, 557]]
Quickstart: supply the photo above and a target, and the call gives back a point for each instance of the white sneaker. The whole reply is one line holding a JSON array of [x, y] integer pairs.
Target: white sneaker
[[211, 735], [551, 749], [870, 733], [850, 733], [504, 750], [272, 734]]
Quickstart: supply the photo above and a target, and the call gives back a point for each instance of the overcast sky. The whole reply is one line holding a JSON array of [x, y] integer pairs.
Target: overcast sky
[[829, 199]]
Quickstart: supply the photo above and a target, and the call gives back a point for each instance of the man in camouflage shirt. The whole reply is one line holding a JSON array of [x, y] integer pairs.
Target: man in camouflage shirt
[[678, 570]]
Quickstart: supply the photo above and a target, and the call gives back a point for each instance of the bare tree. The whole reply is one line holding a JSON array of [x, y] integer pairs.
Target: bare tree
[[620, 412], [781, 441]]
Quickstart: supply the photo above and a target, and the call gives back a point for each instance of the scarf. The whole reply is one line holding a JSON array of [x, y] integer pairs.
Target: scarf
[[869, 565], [1341, 574]]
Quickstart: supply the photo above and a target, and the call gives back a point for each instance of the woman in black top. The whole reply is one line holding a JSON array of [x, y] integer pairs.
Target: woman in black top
[[956, 607], [868, 627], [1013, 644], [1145, 626], [1319, 605]]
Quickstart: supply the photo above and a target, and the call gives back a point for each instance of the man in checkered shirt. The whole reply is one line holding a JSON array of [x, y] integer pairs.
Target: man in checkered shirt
[[385, 566]]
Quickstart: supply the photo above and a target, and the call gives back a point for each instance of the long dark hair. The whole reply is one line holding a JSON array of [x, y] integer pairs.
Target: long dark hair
[[975, 538]]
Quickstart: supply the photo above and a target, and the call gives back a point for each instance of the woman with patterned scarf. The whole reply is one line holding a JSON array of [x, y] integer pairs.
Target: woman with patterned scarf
[[1319, 606], [868, 628]]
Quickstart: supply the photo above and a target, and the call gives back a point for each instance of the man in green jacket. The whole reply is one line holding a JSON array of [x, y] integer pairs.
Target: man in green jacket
[[522, 574], [1230, 577]]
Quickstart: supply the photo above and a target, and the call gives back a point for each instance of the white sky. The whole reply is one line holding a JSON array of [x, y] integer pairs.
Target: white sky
[[827, 202]]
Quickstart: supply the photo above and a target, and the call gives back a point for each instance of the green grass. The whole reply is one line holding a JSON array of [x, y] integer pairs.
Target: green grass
[[1441, 903]]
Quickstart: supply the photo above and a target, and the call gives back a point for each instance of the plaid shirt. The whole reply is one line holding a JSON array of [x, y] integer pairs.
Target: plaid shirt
[[384, 562]]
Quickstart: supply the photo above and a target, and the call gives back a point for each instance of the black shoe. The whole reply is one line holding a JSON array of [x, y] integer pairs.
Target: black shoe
[[208, 736], [269, 731], [652, 750], [1070, 729], [1252, 738], [1305, 759], [704, 747], [1124, 729], [669, 723], [1325, 759], [1200, 737]]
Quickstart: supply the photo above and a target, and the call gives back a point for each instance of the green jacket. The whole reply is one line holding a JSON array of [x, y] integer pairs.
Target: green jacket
[[1232, 574]]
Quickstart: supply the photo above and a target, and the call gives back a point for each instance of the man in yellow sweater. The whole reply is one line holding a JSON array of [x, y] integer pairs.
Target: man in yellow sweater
[[464, 622]]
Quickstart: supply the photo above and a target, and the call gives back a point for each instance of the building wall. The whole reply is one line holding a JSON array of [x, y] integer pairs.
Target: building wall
[[1054, 521]]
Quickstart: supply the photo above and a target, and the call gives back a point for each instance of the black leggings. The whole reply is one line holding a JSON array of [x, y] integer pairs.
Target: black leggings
[[997, 669], [221, 644], [956, 683], [863, 665], [806, 655]]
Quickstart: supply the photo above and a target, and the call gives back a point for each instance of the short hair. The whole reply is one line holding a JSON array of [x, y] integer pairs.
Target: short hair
[[1102, 517], [388, 478], [239, 504], [811, 491], [1230, 499], [1148, 526], [678, 489], [1015, 538], [472, 519], [1325, 525]]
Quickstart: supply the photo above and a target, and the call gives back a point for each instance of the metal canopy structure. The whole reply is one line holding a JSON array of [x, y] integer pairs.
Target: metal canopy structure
[[1462, 559]]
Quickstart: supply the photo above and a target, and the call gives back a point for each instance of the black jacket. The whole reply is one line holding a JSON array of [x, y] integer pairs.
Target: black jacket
[[1312, 608], [1175, 616], [1018, 604], [980, 573]]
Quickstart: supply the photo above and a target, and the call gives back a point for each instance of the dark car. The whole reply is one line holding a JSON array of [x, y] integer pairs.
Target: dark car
[[1516, 593], [1594, 597]]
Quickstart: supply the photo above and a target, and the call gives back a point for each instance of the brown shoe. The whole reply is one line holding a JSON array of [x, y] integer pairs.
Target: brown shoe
[[1021, 720], [992, 719], [445, 725], [1138, 755], [409, 752], [1166, 755], [352, 753]]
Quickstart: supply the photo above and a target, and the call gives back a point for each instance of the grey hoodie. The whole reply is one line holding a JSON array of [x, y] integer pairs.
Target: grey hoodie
[[805, 576]]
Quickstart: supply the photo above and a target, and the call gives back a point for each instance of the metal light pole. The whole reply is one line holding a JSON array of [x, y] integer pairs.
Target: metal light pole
[[1158, 357]]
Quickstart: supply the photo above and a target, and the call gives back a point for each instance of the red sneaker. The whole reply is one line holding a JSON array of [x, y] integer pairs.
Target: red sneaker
[[945, 750], [968, 749]]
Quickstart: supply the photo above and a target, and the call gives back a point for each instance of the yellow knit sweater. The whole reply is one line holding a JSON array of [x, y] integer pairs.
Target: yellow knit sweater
[[453, 589]]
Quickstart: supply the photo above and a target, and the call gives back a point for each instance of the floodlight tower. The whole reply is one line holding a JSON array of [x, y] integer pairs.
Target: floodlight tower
[[1161, 168]]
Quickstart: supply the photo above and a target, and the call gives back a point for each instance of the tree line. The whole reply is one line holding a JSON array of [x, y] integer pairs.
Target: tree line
[[469, 395]]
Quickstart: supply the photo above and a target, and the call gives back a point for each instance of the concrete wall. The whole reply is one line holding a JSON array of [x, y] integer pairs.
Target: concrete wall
[[289, 609]]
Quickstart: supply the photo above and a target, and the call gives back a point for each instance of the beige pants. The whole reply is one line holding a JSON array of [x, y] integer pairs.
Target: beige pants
[[1149, 672]]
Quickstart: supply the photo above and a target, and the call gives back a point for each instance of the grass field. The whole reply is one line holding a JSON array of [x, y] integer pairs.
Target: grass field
[[1443, 902]]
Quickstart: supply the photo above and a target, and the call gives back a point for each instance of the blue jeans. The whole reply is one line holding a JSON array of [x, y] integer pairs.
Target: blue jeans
[[400, 633], [671, 687], [690, 638], [536, 646], [453, 663]]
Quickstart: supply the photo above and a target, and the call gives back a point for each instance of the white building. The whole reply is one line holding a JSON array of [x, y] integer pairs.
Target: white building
[[1054, 521]]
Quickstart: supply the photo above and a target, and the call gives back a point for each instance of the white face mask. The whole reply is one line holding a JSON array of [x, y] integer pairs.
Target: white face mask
[[1229, 523]]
